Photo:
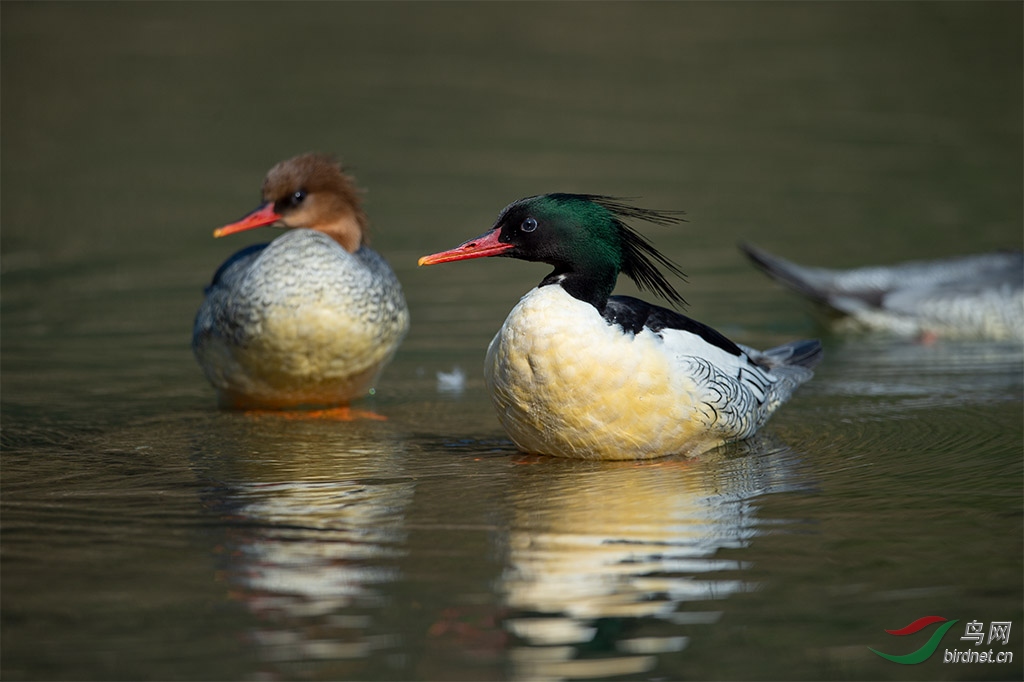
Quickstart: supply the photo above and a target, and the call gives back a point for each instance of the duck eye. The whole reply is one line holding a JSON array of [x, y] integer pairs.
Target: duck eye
[[297, 198], [529, 225]]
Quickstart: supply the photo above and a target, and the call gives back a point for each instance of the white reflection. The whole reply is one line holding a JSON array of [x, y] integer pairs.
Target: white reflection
[[321, 542], [317, 520], [605, 560]]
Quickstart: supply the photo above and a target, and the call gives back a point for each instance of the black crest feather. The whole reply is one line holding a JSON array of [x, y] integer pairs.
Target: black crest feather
[[640, 258]]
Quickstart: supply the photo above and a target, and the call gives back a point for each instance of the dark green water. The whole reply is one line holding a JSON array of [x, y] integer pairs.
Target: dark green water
[[145, 535]]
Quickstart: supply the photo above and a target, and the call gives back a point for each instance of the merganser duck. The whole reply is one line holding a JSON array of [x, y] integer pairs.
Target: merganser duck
[[310, 318], [968, 297], [576, 372]]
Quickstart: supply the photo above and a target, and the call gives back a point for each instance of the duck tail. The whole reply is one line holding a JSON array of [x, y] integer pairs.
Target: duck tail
[[806, 353]]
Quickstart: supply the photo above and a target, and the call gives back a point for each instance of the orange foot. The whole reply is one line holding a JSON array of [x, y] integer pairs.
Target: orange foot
[[341, 414]]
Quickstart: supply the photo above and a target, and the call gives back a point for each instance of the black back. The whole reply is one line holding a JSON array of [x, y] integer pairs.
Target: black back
[[635, 315]]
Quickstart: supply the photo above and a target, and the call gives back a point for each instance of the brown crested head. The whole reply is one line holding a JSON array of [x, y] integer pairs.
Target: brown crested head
[[311, 191]]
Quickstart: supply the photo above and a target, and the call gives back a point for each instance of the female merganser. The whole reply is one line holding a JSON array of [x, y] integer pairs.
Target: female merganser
[[968, 297], [576, 372], [310, 318]]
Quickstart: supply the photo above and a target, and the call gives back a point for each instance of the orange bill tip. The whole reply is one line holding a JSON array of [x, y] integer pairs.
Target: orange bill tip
[[264, 215], [485, 245]]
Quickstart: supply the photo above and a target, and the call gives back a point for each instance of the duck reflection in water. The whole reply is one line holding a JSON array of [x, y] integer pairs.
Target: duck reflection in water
[[608, 563], [316, 524]]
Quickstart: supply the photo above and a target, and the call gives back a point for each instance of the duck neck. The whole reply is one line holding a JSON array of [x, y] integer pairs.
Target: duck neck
[[593, 288], [348, 230]]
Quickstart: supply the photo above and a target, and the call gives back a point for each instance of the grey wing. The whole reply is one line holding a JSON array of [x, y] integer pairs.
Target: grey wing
[[982, 310], [905, 288], [212, 313]]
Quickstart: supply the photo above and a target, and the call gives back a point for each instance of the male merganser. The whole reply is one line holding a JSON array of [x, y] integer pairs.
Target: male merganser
[[576, 372], [310, 318], [967, 297]]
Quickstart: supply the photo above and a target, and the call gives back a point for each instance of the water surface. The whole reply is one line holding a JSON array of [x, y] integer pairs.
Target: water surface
[[147, 535]]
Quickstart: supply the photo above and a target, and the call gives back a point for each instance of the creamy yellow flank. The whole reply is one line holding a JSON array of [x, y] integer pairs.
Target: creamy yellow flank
[[567, 383], [304, 322]]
